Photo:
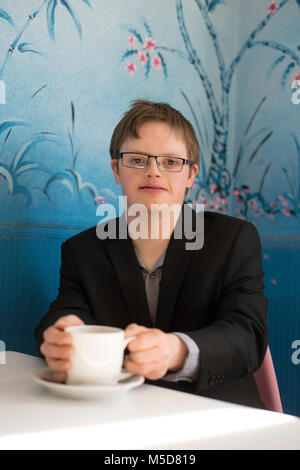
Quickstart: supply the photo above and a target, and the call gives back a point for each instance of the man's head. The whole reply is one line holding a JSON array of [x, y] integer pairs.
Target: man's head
[[154, 129]]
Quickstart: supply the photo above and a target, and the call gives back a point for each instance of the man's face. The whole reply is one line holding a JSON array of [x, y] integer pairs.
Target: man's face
[[155, 138]]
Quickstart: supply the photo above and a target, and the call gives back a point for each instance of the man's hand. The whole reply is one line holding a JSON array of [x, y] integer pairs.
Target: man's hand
[[154, 352], [57, 346]]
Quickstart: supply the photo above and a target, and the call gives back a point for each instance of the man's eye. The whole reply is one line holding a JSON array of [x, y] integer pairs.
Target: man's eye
[[172, 162]]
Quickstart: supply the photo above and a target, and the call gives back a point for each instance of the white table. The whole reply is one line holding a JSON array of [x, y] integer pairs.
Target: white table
[[148, 417]]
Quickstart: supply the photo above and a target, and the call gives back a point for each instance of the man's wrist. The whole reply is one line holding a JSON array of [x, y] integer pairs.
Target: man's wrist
[[179, 352]]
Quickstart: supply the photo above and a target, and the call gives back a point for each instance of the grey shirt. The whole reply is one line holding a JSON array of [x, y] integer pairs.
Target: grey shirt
[[152, 279]]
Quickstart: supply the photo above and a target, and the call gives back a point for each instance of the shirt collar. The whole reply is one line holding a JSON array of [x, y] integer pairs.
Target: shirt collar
[[159, 263]]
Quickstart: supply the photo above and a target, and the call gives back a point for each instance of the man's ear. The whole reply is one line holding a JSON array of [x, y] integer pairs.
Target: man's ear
[[115, 168]]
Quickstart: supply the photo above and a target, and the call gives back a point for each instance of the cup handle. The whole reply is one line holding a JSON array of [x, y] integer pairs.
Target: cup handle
[[127, 340]]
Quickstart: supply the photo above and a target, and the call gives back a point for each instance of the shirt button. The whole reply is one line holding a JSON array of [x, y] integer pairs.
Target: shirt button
[[152, 275]]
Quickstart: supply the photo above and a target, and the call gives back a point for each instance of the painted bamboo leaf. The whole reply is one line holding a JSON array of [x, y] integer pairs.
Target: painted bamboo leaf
[[262, 142], [7, 176], [211, 5], [81, 185], [163, 64], [6, 16], [136, 35], [27, 167], [8, 124], [240, 152], [64, 179], [73, 116], [128, 53], [148, 29], [298, 155], [264, 177], [87, 2], [40, 89], [274, 65], [25, 47], [51, 17], [147, 65], [25, 149], [73, 16], [286, 73]]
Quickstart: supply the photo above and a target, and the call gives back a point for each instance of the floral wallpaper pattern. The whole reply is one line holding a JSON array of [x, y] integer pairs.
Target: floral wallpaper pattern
[[220, 184]]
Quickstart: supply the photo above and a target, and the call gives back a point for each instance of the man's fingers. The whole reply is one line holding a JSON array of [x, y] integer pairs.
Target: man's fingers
[[57, 352], [68, 320], [148, 339], [59, 365], [134, 329], [59, 376], [139, 369], [146, 356], [55, 336]]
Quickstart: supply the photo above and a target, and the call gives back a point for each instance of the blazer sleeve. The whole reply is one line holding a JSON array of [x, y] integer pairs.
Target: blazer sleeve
[[234, 344], [71, 299]]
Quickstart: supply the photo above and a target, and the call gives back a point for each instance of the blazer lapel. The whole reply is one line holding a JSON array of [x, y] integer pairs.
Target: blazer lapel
[[175, 266]]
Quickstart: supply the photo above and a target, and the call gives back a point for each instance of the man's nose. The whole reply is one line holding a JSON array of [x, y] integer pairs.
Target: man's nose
[[152, 166]]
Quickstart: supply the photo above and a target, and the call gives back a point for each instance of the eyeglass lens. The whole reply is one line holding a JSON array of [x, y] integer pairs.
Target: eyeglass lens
[[140, 161]]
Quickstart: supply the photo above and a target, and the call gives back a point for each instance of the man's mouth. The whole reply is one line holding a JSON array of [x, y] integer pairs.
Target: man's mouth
[[154, 188]]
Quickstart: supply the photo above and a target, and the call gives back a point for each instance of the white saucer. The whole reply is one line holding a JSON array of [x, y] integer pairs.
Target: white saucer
[[127, 381]]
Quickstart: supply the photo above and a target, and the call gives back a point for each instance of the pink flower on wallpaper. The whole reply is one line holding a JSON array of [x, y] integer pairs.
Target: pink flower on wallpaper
[[222, 200], [284, 202], [213, 188], [273, 204], [131, 42], [256, 212], [131, 68], [150, 44], [273, 281], [273, 7], [239, 200], [280, 197], [156, 62], [252, 203], [271, 216], [266, 256], [214, 204], [238, 211], [142, 57], [236, 192], [99, 199], [297, 76], [224, 211], [286, 212]]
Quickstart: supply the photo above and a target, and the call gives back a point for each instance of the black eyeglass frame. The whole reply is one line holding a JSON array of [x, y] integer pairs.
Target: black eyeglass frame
[[185, 161]]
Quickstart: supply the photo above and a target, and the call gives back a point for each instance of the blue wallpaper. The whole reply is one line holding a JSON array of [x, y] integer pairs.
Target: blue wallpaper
[[68, 71]]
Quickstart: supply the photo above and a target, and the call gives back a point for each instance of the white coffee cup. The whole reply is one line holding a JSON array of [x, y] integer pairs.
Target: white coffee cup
[[99, 352]]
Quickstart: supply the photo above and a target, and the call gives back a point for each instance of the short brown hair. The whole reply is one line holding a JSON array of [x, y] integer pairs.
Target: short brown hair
[[143, 111]]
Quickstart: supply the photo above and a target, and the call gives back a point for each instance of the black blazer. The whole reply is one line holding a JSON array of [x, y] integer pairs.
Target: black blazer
[[213, 294]]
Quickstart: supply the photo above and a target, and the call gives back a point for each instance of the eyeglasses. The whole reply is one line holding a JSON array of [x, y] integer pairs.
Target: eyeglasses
[[140, 160]]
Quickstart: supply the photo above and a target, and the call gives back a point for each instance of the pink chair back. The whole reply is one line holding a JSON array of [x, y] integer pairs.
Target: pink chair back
[[266, 381]]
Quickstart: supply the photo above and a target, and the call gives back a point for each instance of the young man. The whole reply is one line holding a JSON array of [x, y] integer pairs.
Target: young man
[[199, 314]]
